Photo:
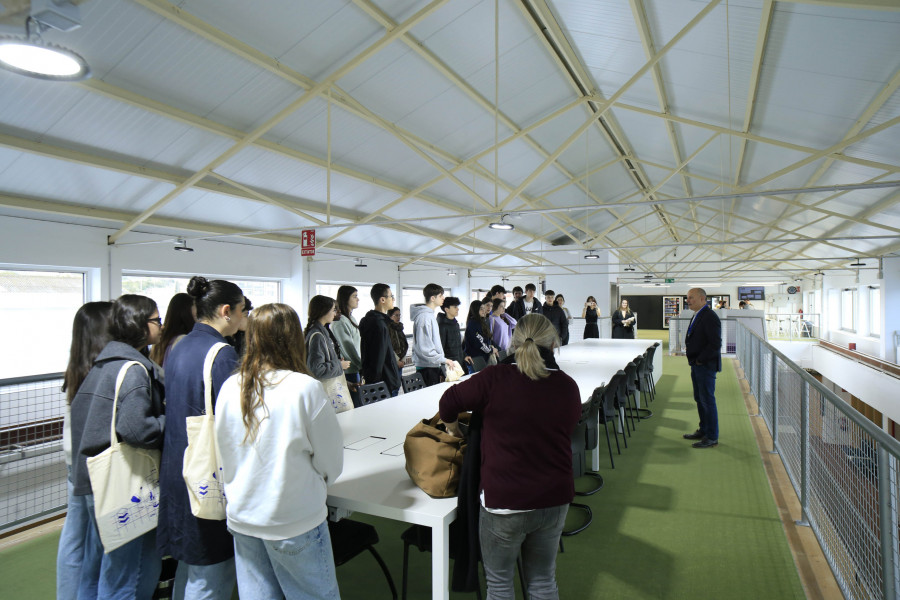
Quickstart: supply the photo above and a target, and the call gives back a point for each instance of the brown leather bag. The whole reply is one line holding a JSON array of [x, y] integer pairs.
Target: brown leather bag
[[434, 457]]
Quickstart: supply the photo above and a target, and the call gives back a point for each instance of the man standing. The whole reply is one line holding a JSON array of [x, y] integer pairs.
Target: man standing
[[379, 362], [703, 347], [516, 308], [527, 305], [556, 315], [428, 353]]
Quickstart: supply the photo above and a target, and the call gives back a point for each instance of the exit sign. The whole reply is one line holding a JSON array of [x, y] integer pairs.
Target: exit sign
[[670, 280]]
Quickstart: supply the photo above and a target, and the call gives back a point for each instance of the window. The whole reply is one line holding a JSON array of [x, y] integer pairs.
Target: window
[[36, 311], [363, 291], [874, 311], [848, 309], [161, 289]]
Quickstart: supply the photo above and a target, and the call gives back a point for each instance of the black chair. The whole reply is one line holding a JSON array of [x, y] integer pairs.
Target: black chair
[[622, 399], [645, 380], [350, 538], [373, 392], [579, 467], [651, 352], [590, 412], [412, 382], [636, 388], [606, 413]]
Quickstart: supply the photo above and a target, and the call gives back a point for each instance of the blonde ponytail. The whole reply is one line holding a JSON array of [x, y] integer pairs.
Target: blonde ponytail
[[532, 333]]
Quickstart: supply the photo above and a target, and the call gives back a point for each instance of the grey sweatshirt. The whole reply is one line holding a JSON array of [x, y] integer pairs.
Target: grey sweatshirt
[[321, 357], [427, 348], [140, 421]]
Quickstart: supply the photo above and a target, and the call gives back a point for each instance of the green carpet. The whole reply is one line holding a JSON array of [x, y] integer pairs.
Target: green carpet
[[671, 521]]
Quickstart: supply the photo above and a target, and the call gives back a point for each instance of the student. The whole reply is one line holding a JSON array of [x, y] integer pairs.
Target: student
[[556, 316], [239, 339], [515, 306], [623, 322], [90, 334], [530, 409], [346, 332], [502, 325], [428, 353], [280, 446], [497, 291], [204, 548], [180, 318], [379, 362], [527, 305], [480, 350], [131, 570], [448, 328], [323, 360], [590, 313]]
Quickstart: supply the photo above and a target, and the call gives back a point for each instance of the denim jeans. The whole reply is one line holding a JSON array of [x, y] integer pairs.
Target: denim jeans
[[130, 572], [70, 554], [299, 568], [534, 534], [204, 582], [354, 391], [703, 377]]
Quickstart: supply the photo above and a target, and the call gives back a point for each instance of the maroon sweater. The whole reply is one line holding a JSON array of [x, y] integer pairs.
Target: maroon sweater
[[526, 452]]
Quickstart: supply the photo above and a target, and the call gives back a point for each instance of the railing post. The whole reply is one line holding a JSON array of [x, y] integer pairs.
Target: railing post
[[804, 455], [887, 525], [774, 368], [757, 370]]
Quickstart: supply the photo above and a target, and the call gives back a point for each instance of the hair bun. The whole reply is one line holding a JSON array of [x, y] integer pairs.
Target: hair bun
[[198, 286]]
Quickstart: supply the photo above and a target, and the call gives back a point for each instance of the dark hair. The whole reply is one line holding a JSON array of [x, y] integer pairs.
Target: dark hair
[[530, 286], [496, 303], [591, 299], [90, 333], [343, 303], [248, 306], [319, 306], [179, 321], [210, 295], [474, 307], [391, 312], [274, 342], [431, 290], [558, 298], [517, 289], [550, 293], [130, 320], [498, 289], [379, 291], [450, 301]]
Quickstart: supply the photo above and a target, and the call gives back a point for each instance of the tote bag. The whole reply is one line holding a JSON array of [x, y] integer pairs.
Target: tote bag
[[434, 457], [125, 482], [336, 387], [200, 466]]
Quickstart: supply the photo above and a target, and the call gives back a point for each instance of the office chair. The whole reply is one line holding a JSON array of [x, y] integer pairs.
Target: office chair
[[350, 538], [412, 382], [373, 392]]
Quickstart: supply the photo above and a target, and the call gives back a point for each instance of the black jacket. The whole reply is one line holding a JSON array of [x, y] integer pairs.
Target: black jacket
[[517, 309], [557, 316], [378, 360], [703, 342], [451, 338]]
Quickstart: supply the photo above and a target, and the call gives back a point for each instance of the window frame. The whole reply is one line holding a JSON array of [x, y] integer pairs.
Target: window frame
[[874, 316], [853, 295]]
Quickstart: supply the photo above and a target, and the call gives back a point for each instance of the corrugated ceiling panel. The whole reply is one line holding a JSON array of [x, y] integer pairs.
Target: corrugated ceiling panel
[[33, 104], [259, 168], [588, 152]]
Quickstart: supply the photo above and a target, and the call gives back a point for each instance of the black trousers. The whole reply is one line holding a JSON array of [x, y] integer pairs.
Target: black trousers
[[431, 375]]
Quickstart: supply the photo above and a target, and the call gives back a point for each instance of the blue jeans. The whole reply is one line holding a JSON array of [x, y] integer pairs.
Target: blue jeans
[[204, 582], [534, 534], [298, 568], [70, 555], [130, 572], [703, 377], [354, 391]]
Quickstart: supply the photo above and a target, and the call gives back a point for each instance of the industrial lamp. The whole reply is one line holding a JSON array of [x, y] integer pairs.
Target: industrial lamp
[[502, 225], [33, 57]]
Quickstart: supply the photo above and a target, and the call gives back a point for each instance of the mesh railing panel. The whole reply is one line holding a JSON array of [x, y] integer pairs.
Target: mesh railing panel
[[842, 502], [32, 463]]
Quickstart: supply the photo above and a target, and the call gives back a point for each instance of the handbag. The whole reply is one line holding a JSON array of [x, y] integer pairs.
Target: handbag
[[434, 457], [125, 483], [200, 465], [337, 389]]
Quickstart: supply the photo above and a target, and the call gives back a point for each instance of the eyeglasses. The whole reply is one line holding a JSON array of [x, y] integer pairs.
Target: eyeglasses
[[157, 320]]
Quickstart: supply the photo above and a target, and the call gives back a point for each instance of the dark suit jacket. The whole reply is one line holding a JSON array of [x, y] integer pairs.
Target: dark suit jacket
[[703, 343]]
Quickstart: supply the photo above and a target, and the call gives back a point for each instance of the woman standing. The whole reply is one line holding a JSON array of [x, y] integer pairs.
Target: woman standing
[[204, 548], [478, 344], [590, 313], [280, 445], [131, 570], [346, 332], [623, 322], [530, 409], [322, 357], [501, 325], [180, 318], [399, 343], [90, 334]]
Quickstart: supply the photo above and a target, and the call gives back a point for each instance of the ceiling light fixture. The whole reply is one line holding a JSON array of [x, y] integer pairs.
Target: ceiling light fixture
[[360, 263], [33, 57], [819, 272], [502, 225], [183, 247], [858, 263], [591, 256], [629, 268]]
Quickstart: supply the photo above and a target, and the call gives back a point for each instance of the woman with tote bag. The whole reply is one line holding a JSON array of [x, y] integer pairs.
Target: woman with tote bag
[[322, 355], [132, 569]]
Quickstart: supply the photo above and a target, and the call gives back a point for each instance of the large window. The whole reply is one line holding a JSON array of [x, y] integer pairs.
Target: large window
[[874, 311], [362, 290], [36, 313], [848, 309], [161, 289]]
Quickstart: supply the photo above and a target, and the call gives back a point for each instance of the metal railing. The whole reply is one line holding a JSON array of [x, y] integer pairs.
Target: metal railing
[[793, 326], [843, 468], [32, 462], [678, 327]]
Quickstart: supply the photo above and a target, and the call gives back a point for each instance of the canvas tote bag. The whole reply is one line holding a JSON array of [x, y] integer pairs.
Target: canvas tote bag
[[200, 467], [125, 482], [434, 457], [336, 387]]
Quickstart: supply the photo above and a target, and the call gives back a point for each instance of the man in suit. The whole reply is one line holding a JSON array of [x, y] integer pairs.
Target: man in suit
[[703, 347]]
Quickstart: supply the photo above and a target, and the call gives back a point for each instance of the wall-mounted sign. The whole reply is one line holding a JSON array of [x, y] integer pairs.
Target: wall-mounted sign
[[308, 242]]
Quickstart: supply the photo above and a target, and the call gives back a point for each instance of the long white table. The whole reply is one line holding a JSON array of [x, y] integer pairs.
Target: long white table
[[374, 480]]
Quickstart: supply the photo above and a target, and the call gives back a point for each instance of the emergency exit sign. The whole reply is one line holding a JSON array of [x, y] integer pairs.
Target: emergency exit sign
[[670, 280]]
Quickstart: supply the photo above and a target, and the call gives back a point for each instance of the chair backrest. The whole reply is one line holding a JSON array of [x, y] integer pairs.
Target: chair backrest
[[589, 413], [615, 392], [412, 382], [579, 453], [651, 351], [630, 376], [373, 392], [640, 380]]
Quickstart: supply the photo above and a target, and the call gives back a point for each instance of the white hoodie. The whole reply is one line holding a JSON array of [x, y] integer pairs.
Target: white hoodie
[[427, 348], [276, 484]]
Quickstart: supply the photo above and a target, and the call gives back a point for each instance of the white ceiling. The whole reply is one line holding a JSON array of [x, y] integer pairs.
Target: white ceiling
[[670, 128]]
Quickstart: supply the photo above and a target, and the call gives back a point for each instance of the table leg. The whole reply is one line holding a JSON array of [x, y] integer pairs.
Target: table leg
[[595, 453], [440, 562]]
